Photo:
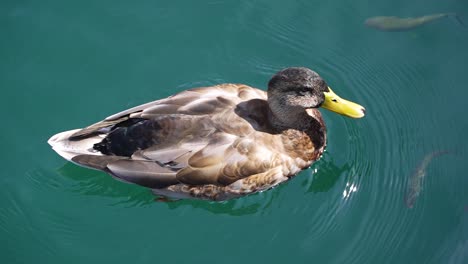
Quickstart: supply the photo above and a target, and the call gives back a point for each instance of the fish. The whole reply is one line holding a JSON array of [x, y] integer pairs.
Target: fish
[[393, 23], [416, 179]]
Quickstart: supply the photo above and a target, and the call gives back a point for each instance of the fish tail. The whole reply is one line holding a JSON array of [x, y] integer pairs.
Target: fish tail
[[440, 153], [458, 19]]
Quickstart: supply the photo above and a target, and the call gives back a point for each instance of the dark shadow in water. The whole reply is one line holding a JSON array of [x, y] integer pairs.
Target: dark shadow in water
[[326, 176], [231, 207], [96, 183], [251, 204]]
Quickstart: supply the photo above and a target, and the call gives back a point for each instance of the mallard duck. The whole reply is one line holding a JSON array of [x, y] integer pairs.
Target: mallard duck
[[214, 143]]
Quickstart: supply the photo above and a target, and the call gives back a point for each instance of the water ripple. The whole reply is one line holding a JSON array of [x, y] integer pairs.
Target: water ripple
[[392, 134]]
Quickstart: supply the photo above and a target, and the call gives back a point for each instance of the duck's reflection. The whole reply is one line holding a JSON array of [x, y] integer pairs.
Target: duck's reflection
[[95, 183]]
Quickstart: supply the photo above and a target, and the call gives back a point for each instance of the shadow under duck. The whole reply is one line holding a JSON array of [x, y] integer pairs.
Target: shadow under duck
[[215, 143]]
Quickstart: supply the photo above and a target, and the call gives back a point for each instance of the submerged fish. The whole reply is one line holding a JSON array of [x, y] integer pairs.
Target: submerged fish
[[416, 179], [393, 23]]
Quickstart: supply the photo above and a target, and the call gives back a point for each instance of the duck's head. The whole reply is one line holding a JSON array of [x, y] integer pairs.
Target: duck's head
[[296, 89]]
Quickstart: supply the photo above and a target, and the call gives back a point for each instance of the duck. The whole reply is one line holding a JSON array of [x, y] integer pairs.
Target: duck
[[213, 143]]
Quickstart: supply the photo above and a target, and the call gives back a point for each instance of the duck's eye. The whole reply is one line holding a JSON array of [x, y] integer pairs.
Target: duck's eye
[[334, 100], [302, 92]]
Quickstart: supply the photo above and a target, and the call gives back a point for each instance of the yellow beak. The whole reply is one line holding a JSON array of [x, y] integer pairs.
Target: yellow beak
[[341, 106]]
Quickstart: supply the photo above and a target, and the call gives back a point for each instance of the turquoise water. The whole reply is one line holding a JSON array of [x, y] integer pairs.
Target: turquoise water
[[67, 65]]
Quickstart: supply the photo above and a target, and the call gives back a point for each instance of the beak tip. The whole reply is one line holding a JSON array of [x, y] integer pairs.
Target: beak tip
[[360, 113]]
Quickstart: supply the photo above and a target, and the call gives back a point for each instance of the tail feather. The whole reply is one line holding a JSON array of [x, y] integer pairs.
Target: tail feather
[[95, 161], [68, 149]]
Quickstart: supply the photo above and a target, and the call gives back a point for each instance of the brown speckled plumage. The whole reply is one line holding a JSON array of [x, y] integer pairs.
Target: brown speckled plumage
[[215, 143]]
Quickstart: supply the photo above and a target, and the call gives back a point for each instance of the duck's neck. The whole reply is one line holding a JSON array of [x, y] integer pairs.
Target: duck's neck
[[310, 121], [285, 118]]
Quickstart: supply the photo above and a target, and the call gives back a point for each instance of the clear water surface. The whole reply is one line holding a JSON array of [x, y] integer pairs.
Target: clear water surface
[[66, 64]]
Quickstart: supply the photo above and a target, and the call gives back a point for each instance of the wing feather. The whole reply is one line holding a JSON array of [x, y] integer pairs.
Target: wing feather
[[145, 173], [206, 136]]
